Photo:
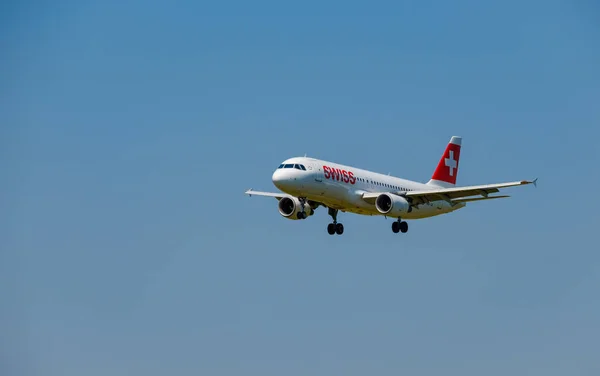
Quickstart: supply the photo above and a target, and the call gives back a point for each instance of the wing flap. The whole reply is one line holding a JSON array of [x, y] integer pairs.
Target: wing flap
[[478, 198]]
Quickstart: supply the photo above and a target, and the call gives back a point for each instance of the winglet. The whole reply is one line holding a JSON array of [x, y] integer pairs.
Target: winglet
[[534, 182]]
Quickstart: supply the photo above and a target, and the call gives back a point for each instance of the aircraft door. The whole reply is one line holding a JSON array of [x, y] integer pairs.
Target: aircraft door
[[319, 177], [318, 172]]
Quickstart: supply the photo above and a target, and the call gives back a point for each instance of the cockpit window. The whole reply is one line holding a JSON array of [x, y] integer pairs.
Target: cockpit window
[[292, 165]]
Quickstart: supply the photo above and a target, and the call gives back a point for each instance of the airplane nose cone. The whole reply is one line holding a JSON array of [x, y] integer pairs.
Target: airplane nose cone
[[282, 179], [277, 178]]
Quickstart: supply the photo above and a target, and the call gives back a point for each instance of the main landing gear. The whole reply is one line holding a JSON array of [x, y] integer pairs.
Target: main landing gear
[[334, 228], [399, 226]]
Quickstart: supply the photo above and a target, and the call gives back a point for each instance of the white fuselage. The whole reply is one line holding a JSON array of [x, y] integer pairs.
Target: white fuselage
[[341, 187]]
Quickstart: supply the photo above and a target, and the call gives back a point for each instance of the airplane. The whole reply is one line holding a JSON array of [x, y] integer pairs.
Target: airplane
[[307, 183]]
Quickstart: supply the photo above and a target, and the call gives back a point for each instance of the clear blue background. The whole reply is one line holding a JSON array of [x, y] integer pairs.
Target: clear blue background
[[131, 129]]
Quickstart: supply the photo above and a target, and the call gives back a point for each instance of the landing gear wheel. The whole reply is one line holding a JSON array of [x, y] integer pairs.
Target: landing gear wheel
[[331, 228], [334, 227], [301, 215], [396, 227], [403, 226]]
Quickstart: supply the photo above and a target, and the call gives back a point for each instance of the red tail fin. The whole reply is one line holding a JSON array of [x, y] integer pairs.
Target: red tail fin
[[447, 169]]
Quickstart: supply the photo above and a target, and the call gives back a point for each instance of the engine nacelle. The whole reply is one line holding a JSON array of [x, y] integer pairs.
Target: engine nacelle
[[289, 207], [392, 205]]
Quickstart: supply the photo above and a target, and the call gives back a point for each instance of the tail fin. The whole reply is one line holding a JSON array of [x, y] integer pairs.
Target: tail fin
[[447, 169]]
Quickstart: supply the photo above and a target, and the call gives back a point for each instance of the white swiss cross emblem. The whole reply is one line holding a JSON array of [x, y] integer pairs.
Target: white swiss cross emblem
[[451, 162]]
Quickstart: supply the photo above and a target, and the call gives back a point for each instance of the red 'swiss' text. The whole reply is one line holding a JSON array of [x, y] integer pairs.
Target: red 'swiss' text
[[337, 174]]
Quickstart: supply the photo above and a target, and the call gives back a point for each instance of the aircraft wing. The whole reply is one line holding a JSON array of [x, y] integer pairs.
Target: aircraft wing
[[458, 194], [452, 195], [278, 196]]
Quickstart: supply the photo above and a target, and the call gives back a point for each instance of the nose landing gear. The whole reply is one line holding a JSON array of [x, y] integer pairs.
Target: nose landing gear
[[303, 214]]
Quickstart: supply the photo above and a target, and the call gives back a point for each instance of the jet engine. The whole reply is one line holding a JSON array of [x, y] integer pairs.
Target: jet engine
[[292, 208], [392, 205]]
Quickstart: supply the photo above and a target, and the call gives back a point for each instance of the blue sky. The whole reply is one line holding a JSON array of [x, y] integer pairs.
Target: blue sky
[[130, 130]]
